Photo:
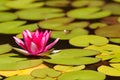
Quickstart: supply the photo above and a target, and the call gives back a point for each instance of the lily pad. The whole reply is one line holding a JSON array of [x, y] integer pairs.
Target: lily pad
[[115, 40], [97, 25], [73, 61], [57, 3], [115, 60], [86, 40], [47, 78], [82, 75], [15, 27], [40, 13], [7, 16], [73, 53], [68, 34], [43, 73], [21, 4], [22, 77], [116, 65], [5, 48], [109, 70], [64, 68], [83, 3], [108, 51], [112, 7], [88, 13], [109, 31]]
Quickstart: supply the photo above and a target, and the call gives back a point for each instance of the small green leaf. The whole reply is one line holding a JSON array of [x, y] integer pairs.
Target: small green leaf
[[5, 48]]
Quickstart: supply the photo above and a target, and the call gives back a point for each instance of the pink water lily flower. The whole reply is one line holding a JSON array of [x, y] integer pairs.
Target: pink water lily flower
[[35, 43]]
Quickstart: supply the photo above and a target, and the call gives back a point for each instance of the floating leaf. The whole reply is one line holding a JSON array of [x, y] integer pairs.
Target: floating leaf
[[97, 25], [85, 40], [47, 78], [115, 60], [20, 4], [7, 16], [83, 3], [115, 40], [22, 77], [73, 53], [5, 48], [40, 13], [73, 61], [116, 65], [64, 68], [14, 27], [66, 34], [88, 13], [82, 75], [109, 70], [112, 7], [108, 51], [109, 31], [43, 73], [57, 3]]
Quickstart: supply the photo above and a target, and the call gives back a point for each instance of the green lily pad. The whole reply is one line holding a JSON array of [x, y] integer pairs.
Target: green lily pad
[[47, 78], [108, 51], [40, 13], [15, 27], [109, 31], [18, 63], [88, 13], [86, 40], [68, 34], [112, 7], [115, 40], [73, 53], [115, 65], [21, 4], [64, 68], [21, 77], [73, 61], [43, 73], [109, 70], [7, 16], [90, 3], [82, 75], [97, 25], [5, 48], [115, 60], [57, 3]]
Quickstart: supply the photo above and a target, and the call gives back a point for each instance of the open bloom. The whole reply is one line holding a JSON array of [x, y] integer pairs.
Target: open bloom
[[35, 43]]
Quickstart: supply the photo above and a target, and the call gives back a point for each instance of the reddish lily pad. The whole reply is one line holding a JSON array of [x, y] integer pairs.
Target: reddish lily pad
[[88, 13], [82, 75], [85, 40], [40, 13], [109, 31], [68, 34]]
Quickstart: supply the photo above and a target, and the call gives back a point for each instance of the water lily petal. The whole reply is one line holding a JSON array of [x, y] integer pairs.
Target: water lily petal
[[33, 48], [51, 45]]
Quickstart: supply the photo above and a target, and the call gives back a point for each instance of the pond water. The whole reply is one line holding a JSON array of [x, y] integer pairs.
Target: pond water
[[80, 24]]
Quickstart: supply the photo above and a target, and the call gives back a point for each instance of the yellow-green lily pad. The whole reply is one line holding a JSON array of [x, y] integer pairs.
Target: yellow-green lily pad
[[21, 4], [5, 48], [82, 75], [7, 16], [115, 65], [108, 51], [57, 3], [86, 40], [45, 72], [40, 13], [68, 34], [89, 3], [97, 25], [109, 70], [15, 27], [73, 61], [115, 40], [88, 13], [21, 77], [73, 53], [64, 68], [115, 60], [109, 31]]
